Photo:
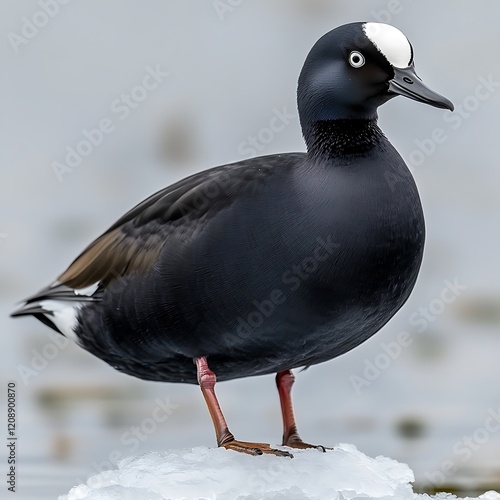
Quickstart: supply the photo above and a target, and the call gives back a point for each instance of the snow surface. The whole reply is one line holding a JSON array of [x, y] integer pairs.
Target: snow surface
[[204, 473]]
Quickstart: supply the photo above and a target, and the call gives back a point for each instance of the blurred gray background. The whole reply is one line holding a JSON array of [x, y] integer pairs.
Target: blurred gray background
[[232, 65]]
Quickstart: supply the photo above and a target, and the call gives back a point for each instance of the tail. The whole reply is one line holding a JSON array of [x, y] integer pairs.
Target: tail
[[57, 306]]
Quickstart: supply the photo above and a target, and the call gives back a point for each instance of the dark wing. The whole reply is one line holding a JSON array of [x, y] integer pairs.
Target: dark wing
[[134, 242]]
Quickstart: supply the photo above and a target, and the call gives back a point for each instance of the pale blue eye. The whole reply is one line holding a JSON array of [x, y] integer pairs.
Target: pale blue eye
[[356, 59]]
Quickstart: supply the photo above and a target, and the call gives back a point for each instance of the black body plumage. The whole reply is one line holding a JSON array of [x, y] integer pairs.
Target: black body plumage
[[295, 261], [269, 263]]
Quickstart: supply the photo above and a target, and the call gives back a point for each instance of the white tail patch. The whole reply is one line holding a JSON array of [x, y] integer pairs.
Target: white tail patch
[[390, 42], [63, 313]]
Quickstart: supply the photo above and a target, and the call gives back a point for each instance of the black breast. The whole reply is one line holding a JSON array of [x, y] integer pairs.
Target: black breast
[[297, 271]]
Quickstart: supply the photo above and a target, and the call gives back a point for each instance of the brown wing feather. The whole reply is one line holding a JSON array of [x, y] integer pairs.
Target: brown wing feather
[[108, 258]]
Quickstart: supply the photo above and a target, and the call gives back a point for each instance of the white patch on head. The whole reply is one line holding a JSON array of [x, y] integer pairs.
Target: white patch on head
[[64, 315], [390, 42]]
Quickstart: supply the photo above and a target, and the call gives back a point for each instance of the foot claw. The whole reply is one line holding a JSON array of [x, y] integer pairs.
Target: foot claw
[[296, 442], [254, 448]]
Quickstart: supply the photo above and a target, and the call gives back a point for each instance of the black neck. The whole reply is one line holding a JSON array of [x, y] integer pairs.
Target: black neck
[[342, 137]]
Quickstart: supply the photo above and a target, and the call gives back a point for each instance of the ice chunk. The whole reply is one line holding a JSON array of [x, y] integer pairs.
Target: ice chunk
[[204, 473]]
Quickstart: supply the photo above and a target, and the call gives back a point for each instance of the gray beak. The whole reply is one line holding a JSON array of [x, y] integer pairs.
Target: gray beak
[[408, 84]]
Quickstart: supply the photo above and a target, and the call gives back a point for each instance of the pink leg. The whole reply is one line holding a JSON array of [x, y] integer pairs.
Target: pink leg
[[207, 380], [284, 381]]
